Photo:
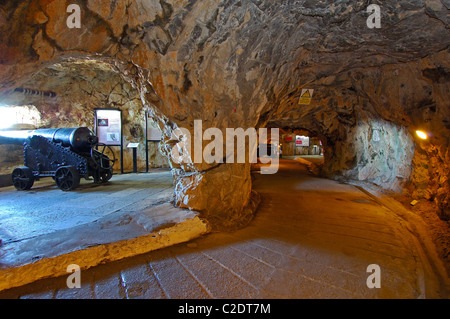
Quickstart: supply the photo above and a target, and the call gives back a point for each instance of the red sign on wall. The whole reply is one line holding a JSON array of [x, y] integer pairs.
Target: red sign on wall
[[288, 138]]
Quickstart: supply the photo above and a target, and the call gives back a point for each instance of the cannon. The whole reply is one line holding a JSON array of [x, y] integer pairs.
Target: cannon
[[65, 154]]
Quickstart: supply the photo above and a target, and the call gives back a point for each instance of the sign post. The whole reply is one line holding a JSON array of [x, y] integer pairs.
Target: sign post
[[134, 146], [152, 134]]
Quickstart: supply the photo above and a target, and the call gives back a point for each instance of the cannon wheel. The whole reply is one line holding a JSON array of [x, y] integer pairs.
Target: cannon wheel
[[101, 160], [67, 178], [106, 175], [22, 178]]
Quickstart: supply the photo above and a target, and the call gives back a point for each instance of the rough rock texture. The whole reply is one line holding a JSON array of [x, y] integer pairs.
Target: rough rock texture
[[244, 63], [383, 154], [430, 178], [10, 158]]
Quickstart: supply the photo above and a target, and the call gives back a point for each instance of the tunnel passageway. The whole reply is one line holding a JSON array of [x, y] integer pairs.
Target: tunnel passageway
[[311, 238], [319, 73]]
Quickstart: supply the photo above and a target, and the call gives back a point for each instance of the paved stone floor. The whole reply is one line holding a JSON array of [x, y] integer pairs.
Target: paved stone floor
[[311, 238], [46, 209]]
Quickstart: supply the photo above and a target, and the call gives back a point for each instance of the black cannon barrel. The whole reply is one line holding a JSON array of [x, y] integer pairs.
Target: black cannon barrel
[[80, 139]]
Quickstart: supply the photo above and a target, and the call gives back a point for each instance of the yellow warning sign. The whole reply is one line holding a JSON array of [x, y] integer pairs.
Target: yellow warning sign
[[306, 97]]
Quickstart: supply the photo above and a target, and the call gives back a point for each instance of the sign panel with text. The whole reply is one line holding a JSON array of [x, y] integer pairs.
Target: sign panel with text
[[302, 141], [153, 131], [109, 126]]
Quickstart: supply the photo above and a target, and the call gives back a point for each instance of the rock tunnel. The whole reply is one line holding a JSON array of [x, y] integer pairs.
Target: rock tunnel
[[246, 64]]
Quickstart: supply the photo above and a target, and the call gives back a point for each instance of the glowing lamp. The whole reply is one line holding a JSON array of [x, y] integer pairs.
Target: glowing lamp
[[422, 135]]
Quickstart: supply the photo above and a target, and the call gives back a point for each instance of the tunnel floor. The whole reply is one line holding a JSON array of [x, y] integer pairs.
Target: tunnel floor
[[310, 238], [46, 209], [44, 230]]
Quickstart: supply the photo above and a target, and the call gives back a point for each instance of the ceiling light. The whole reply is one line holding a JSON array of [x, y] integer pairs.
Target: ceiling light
[[422, 135]]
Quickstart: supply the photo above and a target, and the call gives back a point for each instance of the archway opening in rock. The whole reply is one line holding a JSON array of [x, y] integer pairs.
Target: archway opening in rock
[[67, 93], [301, 143], [15, 117], [356, 143]]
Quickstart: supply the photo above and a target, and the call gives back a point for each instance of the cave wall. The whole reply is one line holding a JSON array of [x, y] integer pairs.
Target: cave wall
[[10, 158], [244, 63], [430, 178], [415, 95], [383, 153]]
